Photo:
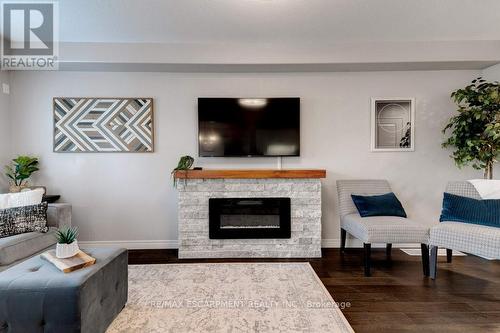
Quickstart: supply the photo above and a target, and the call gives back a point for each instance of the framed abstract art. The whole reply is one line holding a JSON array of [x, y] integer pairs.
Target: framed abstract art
[[393, 124], [103, 125]]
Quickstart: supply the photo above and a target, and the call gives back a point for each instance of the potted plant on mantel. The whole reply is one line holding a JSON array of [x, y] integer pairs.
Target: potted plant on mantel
[[19, 171], [67, 245], [185, 163], [475, 130]]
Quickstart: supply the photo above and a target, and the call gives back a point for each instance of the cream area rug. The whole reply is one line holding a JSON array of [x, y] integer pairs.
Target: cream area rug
[[228, 297], [441, 252]]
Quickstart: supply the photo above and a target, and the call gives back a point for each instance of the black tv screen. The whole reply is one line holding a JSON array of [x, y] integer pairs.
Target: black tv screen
[[249, 126]]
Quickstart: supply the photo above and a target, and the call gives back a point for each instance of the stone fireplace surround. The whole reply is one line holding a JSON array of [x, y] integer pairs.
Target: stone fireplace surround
[[303, 187]]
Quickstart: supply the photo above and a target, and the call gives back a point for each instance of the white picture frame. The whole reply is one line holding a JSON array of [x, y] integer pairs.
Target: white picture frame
[[400, 118]]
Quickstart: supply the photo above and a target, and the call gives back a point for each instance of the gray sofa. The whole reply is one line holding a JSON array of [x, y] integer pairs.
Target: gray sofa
[[15, 249]]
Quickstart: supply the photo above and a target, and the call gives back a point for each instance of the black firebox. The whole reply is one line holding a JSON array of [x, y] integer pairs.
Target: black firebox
[[237, 218]]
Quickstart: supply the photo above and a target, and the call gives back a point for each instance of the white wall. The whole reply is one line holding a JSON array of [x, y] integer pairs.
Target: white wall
[[4, 130], [130, 196], [492, 73]]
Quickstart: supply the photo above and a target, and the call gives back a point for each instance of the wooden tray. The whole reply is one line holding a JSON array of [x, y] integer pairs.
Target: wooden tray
[[80, 260]]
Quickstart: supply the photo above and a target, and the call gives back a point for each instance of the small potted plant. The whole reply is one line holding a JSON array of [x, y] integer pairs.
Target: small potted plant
[[185, 163], [67, 245], [19, 171]]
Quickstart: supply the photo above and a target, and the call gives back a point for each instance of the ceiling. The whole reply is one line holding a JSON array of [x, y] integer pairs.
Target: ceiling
[[278, 21]]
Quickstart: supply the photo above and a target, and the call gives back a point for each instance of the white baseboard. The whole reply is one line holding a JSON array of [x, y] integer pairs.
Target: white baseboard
[[330, 243], [351, 242], [133, 245], [174, 244]]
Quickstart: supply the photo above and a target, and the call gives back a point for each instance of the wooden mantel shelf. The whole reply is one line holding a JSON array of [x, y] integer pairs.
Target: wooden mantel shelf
[[250, 174]]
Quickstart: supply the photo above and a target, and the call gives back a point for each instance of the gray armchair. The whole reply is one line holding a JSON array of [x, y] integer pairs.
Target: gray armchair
[[377, 229], [14, 249], [469, 238]]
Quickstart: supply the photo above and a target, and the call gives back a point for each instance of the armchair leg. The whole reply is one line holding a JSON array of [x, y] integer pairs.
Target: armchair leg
[[433, 262], [343, 236], [425, 258], [367, 260], [449, 255], [388, 250]]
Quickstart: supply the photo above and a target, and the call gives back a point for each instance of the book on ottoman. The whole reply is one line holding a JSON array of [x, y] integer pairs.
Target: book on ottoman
[[80, 260]]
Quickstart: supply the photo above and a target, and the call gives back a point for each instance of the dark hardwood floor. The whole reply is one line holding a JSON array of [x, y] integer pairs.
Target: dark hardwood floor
[[397, 297]]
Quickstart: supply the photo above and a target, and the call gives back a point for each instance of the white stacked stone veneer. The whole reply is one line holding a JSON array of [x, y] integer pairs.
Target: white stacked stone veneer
[[194, 241]]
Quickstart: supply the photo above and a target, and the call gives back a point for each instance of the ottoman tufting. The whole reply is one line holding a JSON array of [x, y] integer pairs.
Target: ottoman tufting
[[37, 297]]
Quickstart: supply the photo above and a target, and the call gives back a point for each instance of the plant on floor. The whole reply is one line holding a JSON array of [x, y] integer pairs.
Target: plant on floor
[[20, 170], [185, 163], [475, 130], [66, 235]]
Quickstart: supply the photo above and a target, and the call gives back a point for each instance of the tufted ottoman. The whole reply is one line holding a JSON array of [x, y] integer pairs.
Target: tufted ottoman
[[36, 297]]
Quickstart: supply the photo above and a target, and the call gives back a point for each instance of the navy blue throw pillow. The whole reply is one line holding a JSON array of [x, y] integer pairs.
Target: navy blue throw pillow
[[467, 210], [378, 205]]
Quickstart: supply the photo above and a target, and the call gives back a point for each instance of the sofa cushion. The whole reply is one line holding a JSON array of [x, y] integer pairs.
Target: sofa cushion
[[20, 246], [378, 205], [25, 198], [457, 208], [470, 238], [24, 219], [385, 229]]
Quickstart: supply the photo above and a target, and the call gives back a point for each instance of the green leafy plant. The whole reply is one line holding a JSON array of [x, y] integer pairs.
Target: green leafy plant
[[67, 235], [475, 130], [185, 163], [406, 140], [21, 168]]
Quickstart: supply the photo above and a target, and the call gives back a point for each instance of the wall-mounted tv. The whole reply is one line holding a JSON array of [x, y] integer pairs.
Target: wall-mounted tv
[[249, 127]]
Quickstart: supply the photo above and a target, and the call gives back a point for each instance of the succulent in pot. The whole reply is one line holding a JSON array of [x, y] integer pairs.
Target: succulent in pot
[[67, 245]]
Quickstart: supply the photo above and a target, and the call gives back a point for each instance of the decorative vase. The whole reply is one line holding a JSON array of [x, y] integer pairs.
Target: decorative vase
[[17, 188], [67, 250]]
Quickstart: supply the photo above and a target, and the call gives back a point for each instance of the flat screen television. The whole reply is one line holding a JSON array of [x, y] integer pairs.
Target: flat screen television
[[248, 127]]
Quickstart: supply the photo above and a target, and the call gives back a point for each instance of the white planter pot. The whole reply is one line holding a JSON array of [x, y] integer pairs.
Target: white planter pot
[[67, 250]]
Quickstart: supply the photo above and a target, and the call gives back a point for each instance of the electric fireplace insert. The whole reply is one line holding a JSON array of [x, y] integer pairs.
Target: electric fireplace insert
[[240, 218]]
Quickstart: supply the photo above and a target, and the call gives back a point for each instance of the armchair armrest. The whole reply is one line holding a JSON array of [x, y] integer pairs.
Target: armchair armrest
[[59, 215]]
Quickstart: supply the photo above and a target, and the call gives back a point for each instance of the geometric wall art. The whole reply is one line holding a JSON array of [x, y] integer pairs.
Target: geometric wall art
[[393, 124], [103, 125]]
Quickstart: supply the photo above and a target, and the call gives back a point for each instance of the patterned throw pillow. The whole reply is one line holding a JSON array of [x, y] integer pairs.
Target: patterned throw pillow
[[19, 220], [468, 210]]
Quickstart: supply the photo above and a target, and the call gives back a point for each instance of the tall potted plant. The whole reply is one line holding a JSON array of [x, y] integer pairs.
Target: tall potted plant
[[20, 170], [475, 130]]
